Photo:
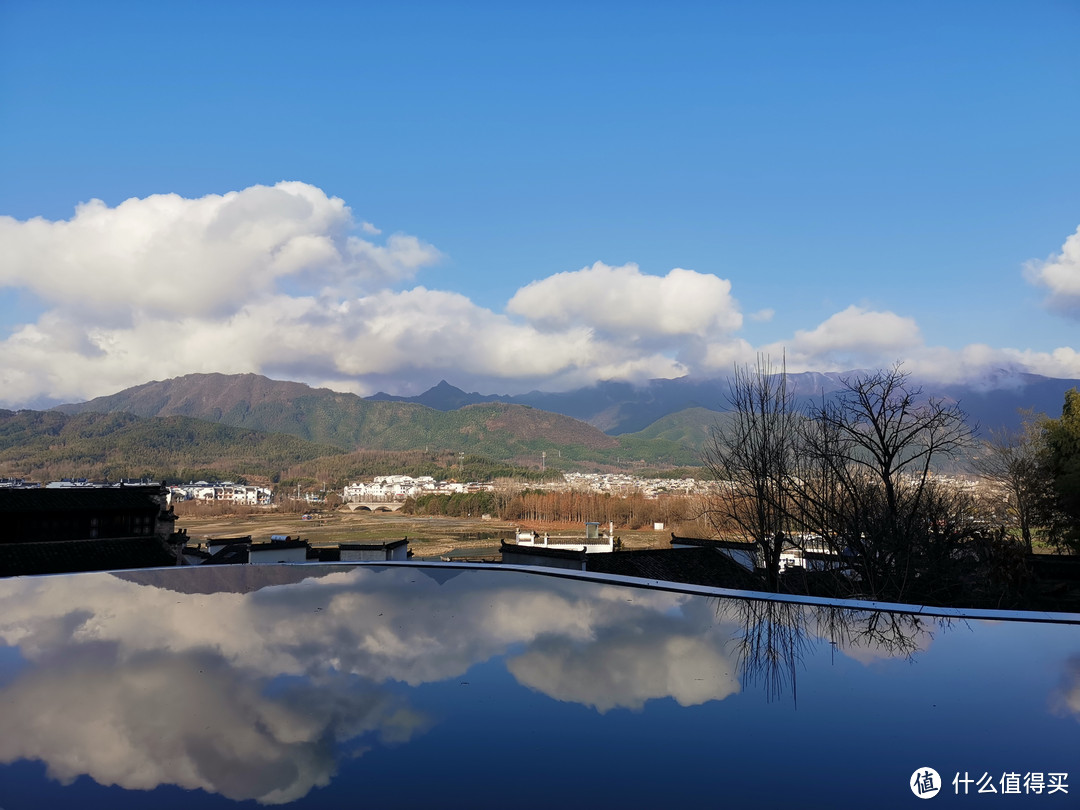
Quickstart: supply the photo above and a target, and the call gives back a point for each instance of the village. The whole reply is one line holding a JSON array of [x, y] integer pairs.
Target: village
[[400, 487]]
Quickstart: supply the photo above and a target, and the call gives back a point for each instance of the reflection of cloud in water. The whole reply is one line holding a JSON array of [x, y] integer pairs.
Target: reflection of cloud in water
[[1066, 698], [189, 720], [626, 665], [254, 692], [252, 695], [381, 630]]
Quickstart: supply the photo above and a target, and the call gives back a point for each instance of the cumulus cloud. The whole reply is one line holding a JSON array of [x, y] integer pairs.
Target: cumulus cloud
[[283, 280], [276, 280], [1060, 274], [385, 336], [624, 303], [855, 337], [858, 332], [166, 255], [635, 315]]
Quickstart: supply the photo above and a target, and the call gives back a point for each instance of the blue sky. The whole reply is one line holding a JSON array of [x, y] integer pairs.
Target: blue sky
[[498, 194]]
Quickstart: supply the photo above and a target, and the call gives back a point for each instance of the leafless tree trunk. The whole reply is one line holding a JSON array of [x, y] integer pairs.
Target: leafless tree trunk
[[867, 474], [751, 454]]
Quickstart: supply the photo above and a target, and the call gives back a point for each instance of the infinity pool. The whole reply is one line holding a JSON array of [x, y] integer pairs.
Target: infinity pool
[[479, 687]]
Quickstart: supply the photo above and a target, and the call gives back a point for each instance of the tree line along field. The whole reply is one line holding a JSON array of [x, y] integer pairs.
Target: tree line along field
[[633, 511]]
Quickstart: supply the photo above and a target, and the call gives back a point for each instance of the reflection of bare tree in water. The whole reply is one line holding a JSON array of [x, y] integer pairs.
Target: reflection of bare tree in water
[[776, 636], [883, 632], [773, 642]]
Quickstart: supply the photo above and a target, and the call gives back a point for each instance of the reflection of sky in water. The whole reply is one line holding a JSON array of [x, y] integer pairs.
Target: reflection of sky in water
[[445, 687]]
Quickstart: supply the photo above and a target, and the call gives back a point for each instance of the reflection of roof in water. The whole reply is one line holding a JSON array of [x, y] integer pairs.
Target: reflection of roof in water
[[222, 579], [277, 683]]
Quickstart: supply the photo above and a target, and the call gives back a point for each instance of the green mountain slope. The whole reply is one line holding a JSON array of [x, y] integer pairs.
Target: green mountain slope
[[49, 444], [495, 430], [688, 429], [257, 403]]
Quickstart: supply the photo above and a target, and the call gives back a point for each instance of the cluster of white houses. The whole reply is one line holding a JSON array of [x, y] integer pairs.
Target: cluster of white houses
[[626, 484], [221, 491], [400, 487]]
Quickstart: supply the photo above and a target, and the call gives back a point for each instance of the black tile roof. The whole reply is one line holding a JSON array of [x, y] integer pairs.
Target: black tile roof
[[234, 554], [695, 566], [705, 542], [227, 541]]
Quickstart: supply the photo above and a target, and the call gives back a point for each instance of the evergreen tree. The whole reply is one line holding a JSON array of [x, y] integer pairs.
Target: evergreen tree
[[1062, 438]]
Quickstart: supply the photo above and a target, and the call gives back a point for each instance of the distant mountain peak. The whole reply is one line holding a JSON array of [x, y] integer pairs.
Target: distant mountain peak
[[447, 397]]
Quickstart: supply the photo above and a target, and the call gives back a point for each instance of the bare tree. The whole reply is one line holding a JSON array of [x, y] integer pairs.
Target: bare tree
[[751, 453], [866, 485], [1014, 460]]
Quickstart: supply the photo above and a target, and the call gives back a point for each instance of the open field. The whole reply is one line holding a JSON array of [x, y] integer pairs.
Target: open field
[[429, 537]]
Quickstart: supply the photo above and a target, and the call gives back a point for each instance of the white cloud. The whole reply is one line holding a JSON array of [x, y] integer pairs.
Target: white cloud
[[167, 256], [624, 303], [284, 281], [991, 367], [1060, 274], [856, 330], [763, 315], [852, 338], [272, 280]]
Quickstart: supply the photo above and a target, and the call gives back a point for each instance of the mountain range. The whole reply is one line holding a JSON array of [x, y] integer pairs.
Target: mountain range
[[251, 424], [501, 431], [617, 408]]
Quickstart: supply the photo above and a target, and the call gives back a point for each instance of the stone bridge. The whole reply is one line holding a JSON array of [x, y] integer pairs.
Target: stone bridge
[[379, 506]]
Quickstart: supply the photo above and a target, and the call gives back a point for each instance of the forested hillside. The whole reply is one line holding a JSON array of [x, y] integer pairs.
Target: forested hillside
[[47, 445], [516, 434]]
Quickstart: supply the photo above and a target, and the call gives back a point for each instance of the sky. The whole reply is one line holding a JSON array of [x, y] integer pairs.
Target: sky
[[518, 196]]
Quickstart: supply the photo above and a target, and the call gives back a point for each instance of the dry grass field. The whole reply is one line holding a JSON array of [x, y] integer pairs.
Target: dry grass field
[[429, 537]]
